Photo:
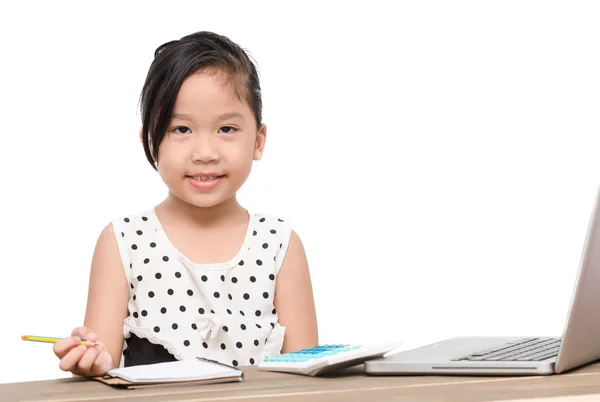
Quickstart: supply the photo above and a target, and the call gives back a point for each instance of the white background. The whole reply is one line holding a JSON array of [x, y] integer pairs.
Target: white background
[[439, 160]]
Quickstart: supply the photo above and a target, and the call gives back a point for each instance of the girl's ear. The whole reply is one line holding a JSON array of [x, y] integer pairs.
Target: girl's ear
[[261, 139]]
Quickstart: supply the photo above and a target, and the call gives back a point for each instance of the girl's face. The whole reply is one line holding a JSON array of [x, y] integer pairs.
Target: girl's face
[[207, 152]]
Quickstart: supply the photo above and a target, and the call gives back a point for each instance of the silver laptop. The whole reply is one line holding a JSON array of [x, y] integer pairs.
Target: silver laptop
[[579, 344]]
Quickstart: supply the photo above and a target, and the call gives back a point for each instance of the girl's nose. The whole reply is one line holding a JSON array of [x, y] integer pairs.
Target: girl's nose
[[205, 150]]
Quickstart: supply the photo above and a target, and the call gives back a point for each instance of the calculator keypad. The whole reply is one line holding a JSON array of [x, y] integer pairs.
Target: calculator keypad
[[309, 354]]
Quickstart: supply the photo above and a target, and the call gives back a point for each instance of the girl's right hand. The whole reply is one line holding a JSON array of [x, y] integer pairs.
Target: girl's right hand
[[84, 360]]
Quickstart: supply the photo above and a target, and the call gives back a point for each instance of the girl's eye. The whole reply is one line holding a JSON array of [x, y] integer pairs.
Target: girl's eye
[[228, 130], [182, 130]]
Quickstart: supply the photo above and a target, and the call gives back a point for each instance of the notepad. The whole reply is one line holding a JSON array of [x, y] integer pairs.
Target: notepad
[[195, 371]]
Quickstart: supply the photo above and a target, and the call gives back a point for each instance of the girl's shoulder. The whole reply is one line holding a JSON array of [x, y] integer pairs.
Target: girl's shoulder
[[271, 224], [133, 219]]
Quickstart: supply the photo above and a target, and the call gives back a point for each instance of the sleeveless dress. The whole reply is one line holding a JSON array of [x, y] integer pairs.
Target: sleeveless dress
[[181, 310]]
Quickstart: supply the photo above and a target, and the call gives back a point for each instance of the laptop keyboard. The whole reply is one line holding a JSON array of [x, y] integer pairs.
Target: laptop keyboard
[[528, 349]]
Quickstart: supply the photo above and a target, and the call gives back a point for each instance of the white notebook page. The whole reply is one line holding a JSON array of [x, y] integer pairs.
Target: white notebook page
[[185, 370]]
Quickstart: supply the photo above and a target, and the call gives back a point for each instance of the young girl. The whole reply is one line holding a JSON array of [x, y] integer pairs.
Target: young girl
[[197, 275]]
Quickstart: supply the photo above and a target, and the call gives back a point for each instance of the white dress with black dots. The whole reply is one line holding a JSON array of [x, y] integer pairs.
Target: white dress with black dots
[[222, 311]]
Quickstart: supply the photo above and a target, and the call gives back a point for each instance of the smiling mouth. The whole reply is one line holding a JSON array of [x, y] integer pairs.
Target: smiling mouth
[[205, 178]]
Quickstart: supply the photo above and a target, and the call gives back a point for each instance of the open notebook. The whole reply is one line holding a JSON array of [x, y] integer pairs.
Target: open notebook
[[197, 371]]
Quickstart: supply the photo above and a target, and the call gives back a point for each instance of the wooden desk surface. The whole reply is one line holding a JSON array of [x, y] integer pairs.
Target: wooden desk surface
[[348, 385]]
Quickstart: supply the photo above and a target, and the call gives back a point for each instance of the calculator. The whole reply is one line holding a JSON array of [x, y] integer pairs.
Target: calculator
[[323, 359]]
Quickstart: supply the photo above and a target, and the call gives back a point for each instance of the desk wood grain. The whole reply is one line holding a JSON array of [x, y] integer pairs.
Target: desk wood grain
[[347, 385]]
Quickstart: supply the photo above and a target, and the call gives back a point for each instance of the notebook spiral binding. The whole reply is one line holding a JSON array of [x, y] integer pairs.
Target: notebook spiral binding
[[210, 361]]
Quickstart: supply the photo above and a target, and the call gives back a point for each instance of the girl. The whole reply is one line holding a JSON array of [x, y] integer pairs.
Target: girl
[[198, 274]]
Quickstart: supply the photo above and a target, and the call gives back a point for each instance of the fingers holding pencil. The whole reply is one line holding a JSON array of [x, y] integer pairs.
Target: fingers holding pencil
[[88, 359], [95, 361], [62, 347]]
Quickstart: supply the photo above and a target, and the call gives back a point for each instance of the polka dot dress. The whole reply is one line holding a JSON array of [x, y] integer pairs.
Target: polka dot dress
[[222, 311]]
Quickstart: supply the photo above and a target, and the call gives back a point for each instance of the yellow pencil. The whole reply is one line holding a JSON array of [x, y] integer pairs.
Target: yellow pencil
[[49, 339]]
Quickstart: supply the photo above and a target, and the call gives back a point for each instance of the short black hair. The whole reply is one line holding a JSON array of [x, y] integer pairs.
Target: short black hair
[[176, 60]]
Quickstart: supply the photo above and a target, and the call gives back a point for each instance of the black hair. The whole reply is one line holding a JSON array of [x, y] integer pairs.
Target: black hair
[[176, 60]]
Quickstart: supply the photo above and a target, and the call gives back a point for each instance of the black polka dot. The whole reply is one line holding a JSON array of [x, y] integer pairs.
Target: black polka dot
[[265, 295], [190, 292], [216, 295], [144, 218], [201, 310], [170, 292], [165, 258], [243, 327], [131, 284], [242, 313], [251, 361], [280, 245], [146, 260], [158, 275], [194, 326], [235, 363], [177, 274], [256, 342], [241, 262], [174, 326], [122, 234], [262, 219], [272, 277], [163, 310], [252, 279], [126, 220], [273, 231], [258, 326], [265, 245], [204, 278], [257, 312], [239, 345], [144, 313], [229, 311], [130, 265], [258, 262], [234, 280], [139, 232], [280, 220], [150, 294], [135, 314], [152, 244], [182, 308], [156, 329], [254, 233], [223, 346], [230, 296], [139, 278], [225, 328], [246, 296], [212, 311], [274, 311], [134, 246], [186, 343], [222, 278], [272, 324], [205, 345]]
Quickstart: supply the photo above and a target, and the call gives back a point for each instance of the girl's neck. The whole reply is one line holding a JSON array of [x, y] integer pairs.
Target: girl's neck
[[229, 211]]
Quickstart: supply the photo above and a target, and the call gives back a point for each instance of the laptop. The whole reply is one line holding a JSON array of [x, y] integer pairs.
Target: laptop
[[518, 355]]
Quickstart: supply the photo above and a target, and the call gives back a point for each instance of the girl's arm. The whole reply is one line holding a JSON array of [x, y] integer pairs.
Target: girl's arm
[[106, 310], [108, 295], [294, 299]]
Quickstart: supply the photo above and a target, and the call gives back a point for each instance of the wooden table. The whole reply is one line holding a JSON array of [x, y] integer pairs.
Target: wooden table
[[348, 385]]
